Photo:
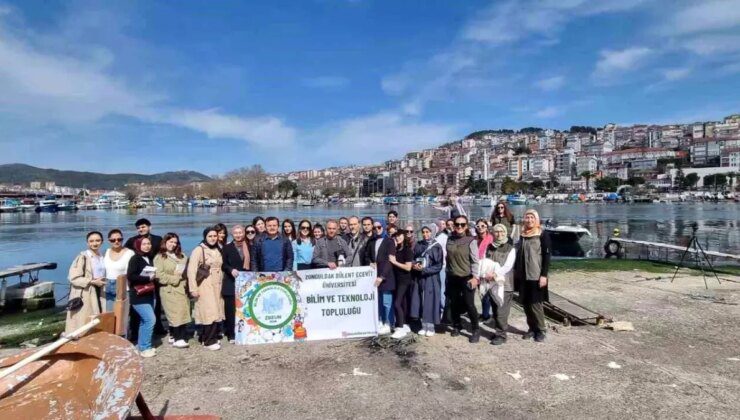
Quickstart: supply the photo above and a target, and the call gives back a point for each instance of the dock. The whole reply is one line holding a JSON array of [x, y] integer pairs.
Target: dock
[[616, 246], [29, 293]]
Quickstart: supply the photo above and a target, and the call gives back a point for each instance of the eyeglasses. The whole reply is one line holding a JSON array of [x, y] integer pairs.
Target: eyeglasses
[[378, 227], [409, 231], [115, 240], [460, 224], [251, 232], [305, 227]]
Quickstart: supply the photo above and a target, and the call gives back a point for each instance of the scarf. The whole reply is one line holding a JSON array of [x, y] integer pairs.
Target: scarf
[[536, 230], [245, 250], [496, 242], [205, 243]]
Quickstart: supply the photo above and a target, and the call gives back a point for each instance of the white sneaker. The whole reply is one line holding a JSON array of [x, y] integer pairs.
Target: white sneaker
[[214, 347], [181, 344], [384, 329], [430, 333], [232, 341], [422, 333], [399, 333], [407, 328], [148, 353]]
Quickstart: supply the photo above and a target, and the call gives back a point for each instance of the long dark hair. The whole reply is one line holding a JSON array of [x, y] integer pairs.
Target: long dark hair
[[220, 227], [163, 245], [292, 235], [310, 232], [507, 213], [405, 243]]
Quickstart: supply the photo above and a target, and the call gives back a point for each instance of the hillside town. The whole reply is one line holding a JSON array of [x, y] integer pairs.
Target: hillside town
[[675, 157]]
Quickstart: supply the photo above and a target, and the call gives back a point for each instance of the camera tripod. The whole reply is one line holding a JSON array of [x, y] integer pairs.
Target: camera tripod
[[701, 257]]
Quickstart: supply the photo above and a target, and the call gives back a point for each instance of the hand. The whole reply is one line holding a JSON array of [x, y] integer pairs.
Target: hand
[[474, 282], [373, 265], [98, 282], [543, 281], [378, 281], [235, 273], [392, 258], [490, 276], [195, 294], [417, 267], [332, 266]]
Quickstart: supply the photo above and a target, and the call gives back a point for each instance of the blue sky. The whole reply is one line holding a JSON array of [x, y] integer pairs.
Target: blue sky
[[212, 86]]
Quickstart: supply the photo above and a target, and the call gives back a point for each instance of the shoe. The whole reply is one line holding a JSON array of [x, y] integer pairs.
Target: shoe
[[406, 327], [232, 341], [430, 333], [148, 353], [384, 329], [422, 332], [455, 332], [214, 347], [539, 336], [528, 335], [399, 333], [474, 337], [171, 339], [498, 340], [180, 344]]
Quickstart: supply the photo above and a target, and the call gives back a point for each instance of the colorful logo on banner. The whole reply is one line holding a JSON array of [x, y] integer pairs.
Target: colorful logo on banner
[[268, 308]]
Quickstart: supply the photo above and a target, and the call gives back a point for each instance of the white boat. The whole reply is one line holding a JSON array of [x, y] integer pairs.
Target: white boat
[[306, 203], [565, 240], [9, 205], [121, 204], [360, 204], [517, 199]]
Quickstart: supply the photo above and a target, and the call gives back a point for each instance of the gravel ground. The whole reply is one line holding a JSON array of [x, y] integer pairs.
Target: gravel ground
[[682, 361]]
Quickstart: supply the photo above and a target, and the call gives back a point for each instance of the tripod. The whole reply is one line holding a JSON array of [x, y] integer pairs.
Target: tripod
[[700, 255]]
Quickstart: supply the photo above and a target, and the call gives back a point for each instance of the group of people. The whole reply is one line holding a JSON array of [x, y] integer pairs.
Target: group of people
[[425, 282]]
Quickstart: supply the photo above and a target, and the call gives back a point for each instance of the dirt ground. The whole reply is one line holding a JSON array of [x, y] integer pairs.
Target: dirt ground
[[682, 361]]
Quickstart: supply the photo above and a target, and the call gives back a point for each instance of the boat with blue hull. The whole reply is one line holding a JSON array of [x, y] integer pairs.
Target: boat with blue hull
[[48, 205]]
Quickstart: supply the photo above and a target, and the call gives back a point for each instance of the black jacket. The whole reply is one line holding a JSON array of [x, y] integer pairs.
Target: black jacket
[[383, 264], [156, 242], [136, 265], [232, 261]]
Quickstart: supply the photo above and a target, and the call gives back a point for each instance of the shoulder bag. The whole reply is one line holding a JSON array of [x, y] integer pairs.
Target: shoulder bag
[[204, 270], [75, 304]]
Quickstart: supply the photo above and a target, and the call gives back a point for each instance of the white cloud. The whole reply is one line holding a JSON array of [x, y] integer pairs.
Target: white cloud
[[713, 44], [42, 86], [548, 112], [616, 62], [550, 83], [671, 75], [704, 16], [326, 82]]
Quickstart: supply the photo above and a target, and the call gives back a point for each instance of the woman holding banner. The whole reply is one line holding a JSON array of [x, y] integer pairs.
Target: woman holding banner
[[204, 280]]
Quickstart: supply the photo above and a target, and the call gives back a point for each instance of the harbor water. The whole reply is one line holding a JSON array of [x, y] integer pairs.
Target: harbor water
[[58, 237]]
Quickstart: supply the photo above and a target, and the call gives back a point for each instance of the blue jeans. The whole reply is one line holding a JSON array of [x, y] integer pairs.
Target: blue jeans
[[146, 326], [110, 295], [486, 303], [385, 308]]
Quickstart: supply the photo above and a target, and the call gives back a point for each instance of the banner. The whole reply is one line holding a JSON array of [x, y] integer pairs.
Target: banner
[[306, 305]]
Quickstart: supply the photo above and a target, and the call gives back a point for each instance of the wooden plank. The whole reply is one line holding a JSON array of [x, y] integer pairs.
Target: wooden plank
[[674, 247]]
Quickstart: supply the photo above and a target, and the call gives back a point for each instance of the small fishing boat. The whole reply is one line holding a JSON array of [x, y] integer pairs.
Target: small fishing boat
[[359, 204], [566, 240], [8, 205], [28, 204], [391, 201], [48, 205], [307, 203], [67, 206], [517, 199]]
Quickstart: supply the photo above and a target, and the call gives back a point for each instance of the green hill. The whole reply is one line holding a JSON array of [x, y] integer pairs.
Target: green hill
[[17, 173]]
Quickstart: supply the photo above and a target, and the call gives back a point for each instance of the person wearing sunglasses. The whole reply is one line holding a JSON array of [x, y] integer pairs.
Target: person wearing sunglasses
[[303, 246], [501, 215], [116, 262], [462, 281], [484, 239]]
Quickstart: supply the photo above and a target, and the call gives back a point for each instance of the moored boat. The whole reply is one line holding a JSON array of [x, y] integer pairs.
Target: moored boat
[[9, 205], [48, 205], [566, 240]]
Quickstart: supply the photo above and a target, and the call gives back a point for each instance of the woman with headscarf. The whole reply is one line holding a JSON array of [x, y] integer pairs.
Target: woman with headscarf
[[142, 273], [170, 264], [87, 280], [502, 252], [530, 273], [426, 293], [209, 305]]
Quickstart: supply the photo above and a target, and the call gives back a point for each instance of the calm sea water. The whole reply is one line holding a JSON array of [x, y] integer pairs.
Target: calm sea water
[[31, 237]]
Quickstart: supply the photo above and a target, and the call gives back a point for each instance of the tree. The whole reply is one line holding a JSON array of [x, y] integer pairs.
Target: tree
[[691, 180], [680, 180], [537, 184], [286, 188], [509, 186], [582, 129], [715, 180], [588, 175], [422, 191], [132, 192], [607, 184], [636, 180]]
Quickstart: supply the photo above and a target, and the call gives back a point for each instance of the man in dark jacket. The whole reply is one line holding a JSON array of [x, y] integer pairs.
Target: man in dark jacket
[[272, 252], [143, 228], [236, 259], [377, 253], [330, 249]]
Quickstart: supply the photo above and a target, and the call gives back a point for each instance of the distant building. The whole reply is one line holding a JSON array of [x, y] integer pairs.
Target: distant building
[[586, 163], [35, 185]]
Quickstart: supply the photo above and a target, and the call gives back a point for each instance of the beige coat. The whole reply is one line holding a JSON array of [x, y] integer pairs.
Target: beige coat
[[175, 301], [209, 306], [80, 275]]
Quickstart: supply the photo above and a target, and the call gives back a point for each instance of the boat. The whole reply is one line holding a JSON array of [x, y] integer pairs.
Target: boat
[[391, 201], [48, 205], [29, 293], [9, 205], [566, 240], [28, 204], [67, 206], [516, 199], [120, 204], [306, 203], [103, 203], [360, 204]]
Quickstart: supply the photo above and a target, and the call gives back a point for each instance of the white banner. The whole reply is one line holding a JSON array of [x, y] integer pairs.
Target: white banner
[[306, 305]]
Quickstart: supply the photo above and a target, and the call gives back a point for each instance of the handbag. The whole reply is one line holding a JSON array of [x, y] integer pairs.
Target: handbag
[[75, 304], [204, 270], [144, 289]]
